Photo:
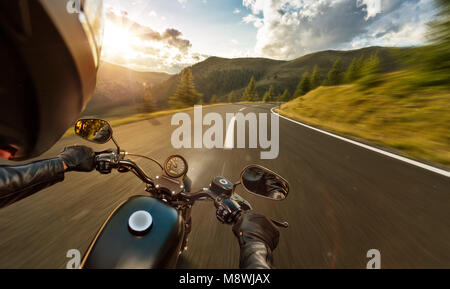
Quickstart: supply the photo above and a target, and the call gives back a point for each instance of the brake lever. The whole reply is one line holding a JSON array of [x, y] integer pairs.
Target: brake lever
[[107, 151], [280, 224]]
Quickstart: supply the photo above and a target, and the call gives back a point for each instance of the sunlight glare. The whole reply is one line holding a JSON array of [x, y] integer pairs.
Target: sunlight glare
[[118, 41]]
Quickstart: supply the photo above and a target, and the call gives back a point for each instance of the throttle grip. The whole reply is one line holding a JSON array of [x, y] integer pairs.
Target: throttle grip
[[104, 162], [229, 209]]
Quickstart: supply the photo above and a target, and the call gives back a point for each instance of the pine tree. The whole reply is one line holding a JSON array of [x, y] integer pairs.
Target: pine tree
[[250, 93], [269, 95], [185, 94], [359, 65], [370, 72], [372, 65], [286, 96], [315, 78], [303, 86], [148, 101], [335, 73], [352, 72], [232, 97]]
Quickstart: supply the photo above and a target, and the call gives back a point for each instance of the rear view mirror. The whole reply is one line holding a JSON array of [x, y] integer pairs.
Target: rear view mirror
[[263, 182], [94, 130]]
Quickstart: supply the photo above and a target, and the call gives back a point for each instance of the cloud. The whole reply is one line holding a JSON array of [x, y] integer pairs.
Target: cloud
[[404, 26], [250, 18], [182, 2], [236, 11], [145, 48], [375, 7], [287, 29], [170, 36]]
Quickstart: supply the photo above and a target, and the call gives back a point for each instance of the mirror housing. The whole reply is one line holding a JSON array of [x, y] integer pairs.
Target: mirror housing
[[263, 182], [94, 130]]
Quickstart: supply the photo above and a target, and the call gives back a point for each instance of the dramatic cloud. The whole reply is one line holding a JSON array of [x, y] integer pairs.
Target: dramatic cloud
[[290, 28], [134, 45], [374, 7], [170, 36]]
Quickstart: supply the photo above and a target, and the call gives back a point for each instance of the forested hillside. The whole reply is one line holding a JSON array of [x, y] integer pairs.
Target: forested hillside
[[118, 86], [220, 76]]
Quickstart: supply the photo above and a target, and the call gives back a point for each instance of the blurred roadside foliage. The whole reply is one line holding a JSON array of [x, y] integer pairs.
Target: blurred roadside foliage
[[402, 102], [431, 62], [370, 71], [416, 123]]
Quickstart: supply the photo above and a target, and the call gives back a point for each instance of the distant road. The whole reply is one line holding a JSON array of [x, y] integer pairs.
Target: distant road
[[344, 201]]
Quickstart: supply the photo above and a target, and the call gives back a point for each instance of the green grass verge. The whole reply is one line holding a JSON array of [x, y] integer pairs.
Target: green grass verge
[[396, 113]]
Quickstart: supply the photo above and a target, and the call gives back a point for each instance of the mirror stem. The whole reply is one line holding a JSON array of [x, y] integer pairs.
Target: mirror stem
[[234, 186], [117, 145]]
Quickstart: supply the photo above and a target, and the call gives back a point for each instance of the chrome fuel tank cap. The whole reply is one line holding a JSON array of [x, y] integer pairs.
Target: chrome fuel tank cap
[[140, 222]]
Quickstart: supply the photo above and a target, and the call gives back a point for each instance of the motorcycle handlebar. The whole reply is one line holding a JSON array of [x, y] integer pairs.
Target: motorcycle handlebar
[[227, 209], [132, 166], [107, 160]]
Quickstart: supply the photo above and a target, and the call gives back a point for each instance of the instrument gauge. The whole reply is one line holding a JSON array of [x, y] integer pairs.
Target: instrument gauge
[[175, 166]]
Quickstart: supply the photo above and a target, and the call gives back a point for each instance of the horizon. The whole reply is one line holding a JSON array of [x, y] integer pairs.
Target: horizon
[[256, 57]]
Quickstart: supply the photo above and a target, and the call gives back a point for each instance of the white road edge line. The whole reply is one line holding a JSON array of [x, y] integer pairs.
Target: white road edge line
[[397, 157]]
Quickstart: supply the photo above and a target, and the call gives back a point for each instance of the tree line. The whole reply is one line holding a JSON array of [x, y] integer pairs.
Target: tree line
[[362, 70]]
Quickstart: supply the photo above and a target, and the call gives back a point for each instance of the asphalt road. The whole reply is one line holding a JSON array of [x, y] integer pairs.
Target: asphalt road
[[344, 200]]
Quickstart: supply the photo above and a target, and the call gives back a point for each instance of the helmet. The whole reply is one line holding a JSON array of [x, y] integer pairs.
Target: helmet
[[49, 50]]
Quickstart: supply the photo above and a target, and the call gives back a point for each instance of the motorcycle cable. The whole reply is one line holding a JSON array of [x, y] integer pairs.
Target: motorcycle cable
[[145, 157]]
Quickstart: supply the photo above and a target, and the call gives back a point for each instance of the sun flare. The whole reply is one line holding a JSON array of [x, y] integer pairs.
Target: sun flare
[[119, 41]]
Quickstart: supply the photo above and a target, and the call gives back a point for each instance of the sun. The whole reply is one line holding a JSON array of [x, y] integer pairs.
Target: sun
[[119, 41]]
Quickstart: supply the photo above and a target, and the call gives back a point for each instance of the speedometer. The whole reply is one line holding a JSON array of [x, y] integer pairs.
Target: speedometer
[[175, 166]]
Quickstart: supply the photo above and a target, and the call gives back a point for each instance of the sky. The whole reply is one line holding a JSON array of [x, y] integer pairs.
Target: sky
[[168, 35]]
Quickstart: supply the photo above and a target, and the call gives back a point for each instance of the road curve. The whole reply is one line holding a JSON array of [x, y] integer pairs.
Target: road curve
[[344, 201]]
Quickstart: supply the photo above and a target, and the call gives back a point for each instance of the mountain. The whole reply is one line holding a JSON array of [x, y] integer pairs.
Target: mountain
[[220, 76], [118, 86], [120, 90]]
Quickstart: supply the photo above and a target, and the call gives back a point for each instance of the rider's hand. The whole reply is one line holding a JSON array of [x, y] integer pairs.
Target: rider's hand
[[227, 211], [78, 158], [253, 227]]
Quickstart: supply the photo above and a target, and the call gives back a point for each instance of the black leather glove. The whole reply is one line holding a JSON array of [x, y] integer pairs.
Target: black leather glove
[[257, 237], [254, 227], [78, 158]]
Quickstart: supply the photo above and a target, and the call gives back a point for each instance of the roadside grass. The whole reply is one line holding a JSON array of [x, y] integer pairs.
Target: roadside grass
[[143, 116], [396, 113]]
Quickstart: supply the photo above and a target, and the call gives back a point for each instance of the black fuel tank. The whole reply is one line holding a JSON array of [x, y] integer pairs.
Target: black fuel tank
[[115, 246]]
